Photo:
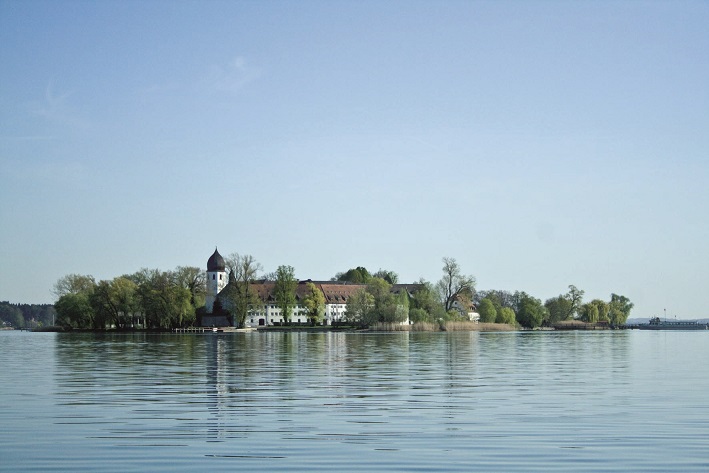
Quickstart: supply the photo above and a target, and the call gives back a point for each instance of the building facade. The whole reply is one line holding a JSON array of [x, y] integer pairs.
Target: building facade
[[335, 294]]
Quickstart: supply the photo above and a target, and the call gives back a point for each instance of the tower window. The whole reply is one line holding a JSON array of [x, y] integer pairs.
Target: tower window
[[213, 276]]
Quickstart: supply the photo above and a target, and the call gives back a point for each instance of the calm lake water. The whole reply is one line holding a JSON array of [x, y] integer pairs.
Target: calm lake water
[[519, 401]]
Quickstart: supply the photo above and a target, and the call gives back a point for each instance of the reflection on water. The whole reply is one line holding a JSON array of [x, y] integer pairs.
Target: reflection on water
[[582, 401]]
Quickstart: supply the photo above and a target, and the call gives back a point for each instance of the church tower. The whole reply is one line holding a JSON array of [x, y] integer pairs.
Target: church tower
[[216, 279]]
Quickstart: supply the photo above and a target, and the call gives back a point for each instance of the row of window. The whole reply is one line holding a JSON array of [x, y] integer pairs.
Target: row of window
[[299, 321]]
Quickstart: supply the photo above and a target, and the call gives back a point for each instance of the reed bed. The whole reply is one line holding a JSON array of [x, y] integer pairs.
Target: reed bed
[[425, 327], [473, 327], [389, 327]]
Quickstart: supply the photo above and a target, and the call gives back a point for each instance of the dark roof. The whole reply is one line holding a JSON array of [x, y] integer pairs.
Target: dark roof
[[335, 292], [216, 262], [339, 293]]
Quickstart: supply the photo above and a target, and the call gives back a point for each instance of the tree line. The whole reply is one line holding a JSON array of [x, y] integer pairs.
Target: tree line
[[154, 299], [528, 311], [26, 315], [455, 294], [149, 298]]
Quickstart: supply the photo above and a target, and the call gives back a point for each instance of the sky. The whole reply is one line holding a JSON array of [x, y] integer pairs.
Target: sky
[[539, 143]]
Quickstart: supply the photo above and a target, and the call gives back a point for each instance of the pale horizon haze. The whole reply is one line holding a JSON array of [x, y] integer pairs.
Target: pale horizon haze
[[539, 143]]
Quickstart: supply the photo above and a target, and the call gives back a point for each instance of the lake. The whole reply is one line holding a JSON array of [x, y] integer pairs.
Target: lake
[[409, 402]]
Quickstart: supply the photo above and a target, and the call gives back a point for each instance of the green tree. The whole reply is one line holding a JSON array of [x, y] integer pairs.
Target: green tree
[[454, 286], [487, 311], [73, 284], [574, 295], [384, 301], [114, 303], [193, 279], [419, 315], [403, 307], [73, 306], [105, 312], [284, 290], [558, 308], [506, 316], [389, 276], [499, 298], [530, 312], [426, 299], [619, 309], [589, 312], [314, 303], [565, 306], [165, 304], [74, 311], [602, 308], [358, 275], [360, 308]]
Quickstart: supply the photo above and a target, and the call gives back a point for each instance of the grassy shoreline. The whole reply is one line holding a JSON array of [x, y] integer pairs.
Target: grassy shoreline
[[442, 327]]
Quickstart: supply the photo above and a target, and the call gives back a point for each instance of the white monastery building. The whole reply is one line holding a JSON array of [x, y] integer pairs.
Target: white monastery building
[[336, 294]]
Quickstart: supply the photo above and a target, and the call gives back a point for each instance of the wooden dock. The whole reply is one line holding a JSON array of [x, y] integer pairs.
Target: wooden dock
[[213, 330]]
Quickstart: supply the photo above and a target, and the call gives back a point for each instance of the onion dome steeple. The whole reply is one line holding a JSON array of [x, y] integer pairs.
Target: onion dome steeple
[[216, 262]]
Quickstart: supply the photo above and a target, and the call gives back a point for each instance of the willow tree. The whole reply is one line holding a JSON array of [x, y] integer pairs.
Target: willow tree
[[619, 309], [589, 312], [506, 316]]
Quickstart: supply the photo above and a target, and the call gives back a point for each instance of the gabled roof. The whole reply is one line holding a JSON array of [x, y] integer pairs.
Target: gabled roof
[[409, 288], [335, 292], [339, 293]]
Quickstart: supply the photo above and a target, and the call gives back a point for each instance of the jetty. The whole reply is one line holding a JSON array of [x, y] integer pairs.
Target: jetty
[[213, 330]]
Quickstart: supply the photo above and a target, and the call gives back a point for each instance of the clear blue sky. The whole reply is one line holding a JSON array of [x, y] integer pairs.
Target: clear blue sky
[[541, 144]]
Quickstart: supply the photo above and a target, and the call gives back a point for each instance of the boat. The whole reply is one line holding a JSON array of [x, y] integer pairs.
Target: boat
[[658, 324]]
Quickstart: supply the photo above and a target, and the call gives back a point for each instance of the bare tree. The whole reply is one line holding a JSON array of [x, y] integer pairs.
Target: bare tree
[[454, 285], [243, 272]]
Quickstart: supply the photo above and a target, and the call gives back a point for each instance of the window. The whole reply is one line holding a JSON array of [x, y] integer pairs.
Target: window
[[214, 276], [220, 277]]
